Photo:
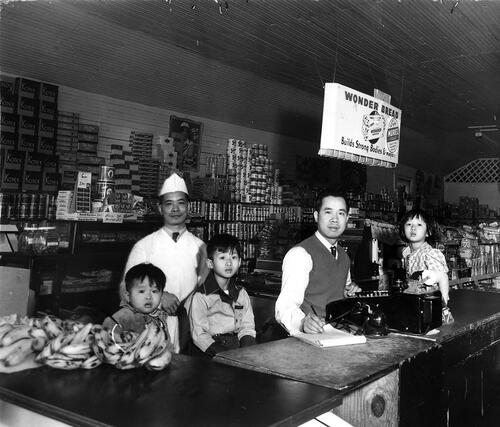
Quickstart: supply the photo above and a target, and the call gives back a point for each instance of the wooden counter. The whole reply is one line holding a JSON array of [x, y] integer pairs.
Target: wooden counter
[[395, 380], [452, 381], [191, 392]]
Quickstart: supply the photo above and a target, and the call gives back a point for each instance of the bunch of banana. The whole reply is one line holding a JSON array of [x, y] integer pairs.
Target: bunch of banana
[[150, 348], [15, 344], [71, 349], [44, 329]]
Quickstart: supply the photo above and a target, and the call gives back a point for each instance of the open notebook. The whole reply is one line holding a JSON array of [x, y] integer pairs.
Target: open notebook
[[330, 337]]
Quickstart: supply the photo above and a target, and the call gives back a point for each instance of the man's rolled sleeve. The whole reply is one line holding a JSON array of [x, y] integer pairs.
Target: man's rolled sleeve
[[297, 265]]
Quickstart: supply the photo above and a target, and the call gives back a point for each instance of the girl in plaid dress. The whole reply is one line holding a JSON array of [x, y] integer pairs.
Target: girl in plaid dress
[[421, 259]]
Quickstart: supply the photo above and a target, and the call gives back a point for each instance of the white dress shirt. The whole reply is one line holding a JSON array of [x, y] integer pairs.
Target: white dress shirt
[[297, 265]]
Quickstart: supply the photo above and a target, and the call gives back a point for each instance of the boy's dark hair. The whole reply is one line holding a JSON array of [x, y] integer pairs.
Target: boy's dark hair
[[223, 243], [417, 213], [330, 193], [140, 271]]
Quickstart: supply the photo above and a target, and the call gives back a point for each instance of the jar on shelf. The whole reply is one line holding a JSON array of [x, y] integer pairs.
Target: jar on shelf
[[52, 240], [25, 241], [39, 240]]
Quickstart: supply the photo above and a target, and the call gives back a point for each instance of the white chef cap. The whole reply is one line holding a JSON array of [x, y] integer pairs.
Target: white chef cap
[[173, 183]]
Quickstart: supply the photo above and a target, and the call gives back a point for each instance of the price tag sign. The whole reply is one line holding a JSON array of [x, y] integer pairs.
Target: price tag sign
[[86, 216], [84, 179], [112, 218]]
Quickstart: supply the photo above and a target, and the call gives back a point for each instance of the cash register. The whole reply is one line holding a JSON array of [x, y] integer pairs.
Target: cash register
[[387, 301], [414, 310]]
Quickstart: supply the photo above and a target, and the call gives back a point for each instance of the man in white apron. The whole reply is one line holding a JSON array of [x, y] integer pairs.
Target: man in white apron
[[179, 253]]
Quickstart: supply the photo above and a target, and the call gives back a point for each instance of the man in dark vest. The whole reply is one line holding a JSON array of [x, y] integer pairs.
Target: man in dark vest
[[316, 271]]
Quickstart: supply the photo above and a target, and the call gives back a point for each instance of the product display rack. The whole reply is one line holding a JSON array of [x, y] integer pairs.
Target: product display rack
[[87, 271]]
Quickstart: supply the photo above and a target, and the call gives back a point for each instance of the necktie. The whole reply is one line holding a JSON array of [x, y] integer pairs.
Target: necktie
[[175, 236], [333, 250]]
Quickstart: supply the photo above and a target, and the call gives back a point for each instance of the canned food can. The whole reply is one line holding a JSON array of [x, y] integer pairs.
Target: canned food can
[[33, 206], [13, 206], [43, 206], [24, 205], [4, 203], [107, 173], [105, 189], [52, 207]]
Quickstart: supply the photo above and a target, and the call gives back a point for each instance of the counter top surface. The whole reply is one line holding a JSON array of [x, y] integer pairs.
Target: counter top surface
[[306, 380], [342, 367], [346, 367], [471, 309], [190, 392]]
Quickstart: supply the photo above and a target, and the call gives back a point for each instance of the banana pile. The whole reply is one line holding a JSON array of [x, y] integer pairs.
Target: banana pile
[[150, 348], [70, 345], [71, 348]]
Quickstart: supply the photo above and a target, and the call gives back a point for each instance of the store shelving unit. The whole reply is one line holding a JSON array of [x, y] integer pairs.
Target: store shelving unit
[[88, 269], [87, 272]]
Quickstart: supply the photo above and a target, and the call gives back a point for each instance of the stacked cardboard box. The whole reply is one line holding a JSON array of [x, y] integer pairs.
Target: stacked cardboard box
[[142, 144], [28, 135], [87, 159], [127, 179], [66, 148]]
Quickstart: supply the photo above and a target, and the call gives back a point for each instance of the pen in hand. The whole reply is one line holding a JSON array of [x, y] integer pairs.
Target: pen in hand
[[319, 326], [313, 310]]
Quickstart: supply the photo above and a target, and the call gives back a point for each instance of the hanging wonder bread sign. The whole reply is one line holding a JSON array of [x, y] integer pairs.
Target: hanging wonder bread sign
[[359, 128]]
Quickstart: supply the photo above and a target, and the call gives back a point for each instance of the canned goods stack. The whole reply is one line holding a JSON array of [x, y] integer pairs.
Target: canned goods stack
[[16, 206], [197, 208], [260, 171], [237, 172], [289, 213], [4, 206], [275, 190], [251, 176]]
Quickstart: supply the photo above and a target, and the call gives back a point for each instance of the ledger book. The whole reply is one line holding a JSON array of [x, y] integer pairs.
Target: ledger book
[[330, 337]]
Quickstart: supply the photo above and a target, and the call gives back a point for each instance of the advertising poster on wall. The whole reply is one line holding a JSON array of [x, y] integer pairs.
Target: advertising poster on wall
[[186, 134], [359, 127]]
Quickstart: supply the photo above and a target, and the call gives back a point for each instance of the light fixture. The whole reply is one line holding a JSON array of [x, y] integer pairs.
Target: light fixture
[[484, 128]]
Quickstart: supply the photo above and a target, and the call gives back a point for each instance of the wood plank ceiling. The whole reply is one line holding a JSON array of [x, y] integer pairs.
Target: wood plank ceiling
[[438, 65], [439, 59]]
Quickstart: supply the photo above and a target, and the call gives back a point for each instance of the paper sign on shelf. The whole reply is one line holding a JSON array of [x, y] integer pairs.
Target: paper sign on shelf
[[112, 218], [87, 216], [359, 127]]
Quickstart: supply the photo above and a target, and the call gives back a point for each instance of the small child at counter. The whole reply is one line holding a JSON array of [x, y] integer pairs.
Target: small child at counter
[[220, 313], [420, 256], [144, 285]]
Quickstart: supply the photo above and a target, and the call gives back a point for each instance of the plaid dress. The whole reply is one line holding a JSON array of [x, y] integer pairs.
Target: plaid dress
[[424, 258]]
